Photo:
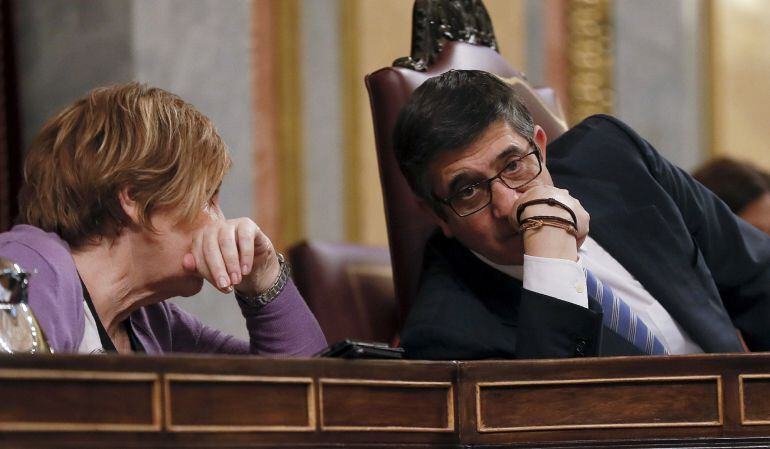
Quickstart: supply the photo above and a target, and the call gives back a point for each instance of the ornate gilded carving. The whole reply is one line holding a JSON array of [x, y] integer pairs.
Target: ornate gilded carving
[[589, 46], [435, 22]]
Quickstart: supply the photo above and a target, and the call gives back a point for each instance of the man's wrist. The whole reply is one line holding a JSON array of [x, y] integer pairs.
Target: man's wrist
[[550, 242], [544, 206], [544, 209]]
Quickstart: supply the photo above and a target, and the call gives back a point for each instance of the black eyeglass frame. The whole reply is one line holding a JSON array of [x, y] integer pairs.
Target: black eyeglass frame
[[448, 200]]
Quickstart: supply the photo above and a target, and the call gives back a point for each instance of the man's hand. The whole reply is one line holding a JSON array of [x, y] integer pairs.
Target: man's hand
[[234, 253], [549, 241]]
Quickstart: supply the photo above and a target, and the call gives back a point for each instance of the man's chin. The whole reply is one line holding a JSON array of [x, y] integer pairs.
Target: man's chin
[[510, 253]]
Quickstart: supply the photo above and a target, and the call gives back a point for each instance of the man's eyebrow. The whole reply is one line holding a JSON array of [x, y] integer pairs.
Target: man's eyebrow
[[514, 149], [464, 178]]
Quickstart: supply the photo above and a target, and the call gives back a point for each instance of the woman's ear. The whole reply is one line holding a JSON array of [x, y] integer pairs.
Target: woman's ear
[[129, 206]]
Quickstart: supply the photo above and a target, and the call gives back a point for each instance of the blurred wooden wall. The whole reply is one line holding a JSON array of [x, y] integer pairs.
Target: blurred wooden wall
[[10, 151]]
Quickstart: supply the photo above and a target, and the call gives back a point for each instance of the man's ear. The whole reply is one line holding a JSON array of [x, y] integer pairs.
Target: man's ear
[[541, 139], [129, 206], [435, 218]]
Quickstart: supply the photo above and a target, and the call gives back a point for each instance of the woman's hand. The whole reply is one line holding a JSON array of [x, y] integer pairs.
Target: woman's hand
[[234, 253], [550, 241]]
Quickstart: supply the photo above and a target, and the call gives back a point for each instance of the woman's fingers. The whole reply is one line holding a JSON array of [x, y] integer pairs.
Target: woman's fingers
[[213, 260], [226, 251], [229, 251], [246, 232]]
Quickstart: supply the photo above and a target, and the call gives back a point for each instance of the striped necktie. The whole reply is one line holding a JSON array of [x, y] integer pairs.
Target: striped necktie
[[619, 317]]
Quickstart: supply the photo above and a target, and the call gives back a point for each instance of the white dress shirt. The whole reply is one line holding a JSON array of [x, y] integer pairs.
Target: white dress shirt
[[565, 280]]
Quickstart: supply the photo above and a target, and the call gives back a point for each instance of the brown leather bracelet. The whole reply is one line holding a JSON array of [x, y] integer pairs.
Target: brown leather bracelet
[[548, 201], [534, 223]]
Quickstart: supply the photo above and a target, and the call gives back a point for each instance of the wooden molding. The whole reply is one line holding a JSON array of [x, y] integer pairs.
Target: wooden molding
[[369, 390], [595, 384], [250, 415], [82, 394], [743, 379]]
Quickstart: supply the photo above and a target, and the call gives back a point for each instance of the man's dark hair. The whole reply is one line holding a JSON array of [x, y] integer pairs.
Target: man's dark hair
[[736, 183], [448, 113]]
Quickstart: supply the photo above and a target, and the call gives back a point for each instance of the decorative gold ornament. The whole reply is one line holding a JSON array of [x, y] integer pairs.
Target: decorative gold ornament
[[589, 58]]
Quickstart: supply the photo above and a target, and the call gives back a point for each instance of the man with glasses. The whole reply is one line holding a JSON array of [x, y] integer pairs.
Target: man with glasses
[[514, 271]]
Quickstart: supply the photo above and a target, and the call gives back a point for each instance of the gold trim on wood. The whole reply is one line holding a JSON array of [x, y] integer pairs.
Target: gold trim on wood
[[351, 132], [24, 374], [450, 427], [741, 399], [290, 124], [589, 58], [481, 427], [266, 168], [168, 378]]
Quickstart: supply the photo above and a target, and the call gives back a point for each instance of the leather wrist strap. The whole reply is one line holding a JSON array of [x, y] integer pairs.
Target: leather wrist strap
[[264, 298], [537, 222], [548, 201]]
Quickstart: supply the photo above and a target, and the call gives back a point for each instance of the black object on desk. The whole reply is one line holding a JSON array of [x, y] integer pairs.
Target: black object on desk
[[349, 349]]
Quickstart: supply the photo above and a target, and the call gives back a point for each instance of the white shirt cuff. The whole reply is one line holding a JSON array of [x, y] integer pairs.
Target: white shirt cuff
[[558, 278]]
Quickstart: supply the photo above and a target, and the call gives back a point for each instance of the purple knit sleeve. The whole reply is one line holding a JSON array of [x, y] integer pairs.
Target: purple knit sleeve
[[55, 295], [285, 327]]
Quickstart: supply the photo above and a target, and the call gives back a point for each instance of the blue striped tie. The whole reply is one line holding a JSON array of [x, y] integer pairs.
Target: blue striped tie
[[619, 317]]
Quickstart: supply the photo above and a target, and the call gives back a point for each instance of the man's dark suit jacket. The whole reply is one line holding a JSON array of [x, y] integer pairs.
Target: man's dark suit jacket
[[709, 269]]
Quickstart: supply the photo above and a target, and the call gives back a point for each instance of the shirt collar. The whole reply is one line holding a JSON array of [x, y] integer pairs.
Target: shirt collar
[[514, 271]]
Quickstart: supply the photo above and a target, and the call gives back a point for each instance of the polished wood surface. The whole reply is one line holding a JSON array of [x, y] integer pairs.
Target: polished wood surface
[[144, 402]]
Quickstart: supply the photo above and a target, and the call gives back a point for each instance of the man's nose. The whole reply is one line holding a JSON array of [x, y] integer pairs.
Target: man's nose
[[503, 199]]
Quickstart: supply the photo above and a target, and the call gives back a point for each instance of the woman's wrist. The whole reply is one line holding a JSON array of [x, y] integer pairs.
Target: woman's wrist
[[264, 295], [262, 276]]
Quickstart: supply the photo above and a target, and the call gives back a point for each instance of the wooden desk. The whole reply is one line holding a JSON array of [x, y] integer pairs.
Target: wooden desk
[[154, 402]]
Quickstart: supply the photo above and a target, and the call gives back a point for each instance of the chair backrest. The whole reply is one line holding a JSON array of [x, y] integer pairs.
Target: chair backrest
[[349, 288], [445, 35]]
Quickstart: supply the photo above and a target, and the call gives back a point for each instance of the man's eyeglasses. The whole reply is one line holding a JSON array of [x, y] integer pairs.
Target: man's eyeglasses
[[517, 173]]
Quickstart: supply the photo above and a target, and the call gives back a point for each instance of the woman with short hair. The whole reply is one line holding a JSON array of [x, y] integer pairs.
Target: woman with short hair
[[120, 211]]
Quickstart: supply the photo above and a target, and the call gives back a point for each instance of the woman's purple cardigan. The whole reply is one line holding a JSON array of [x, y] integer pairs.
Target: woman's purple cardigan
[[285, 327]]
